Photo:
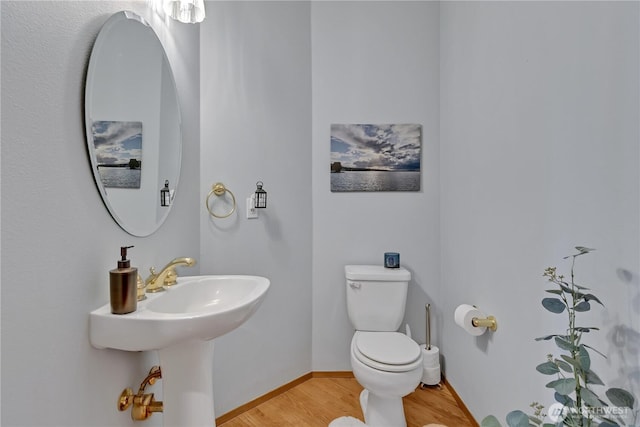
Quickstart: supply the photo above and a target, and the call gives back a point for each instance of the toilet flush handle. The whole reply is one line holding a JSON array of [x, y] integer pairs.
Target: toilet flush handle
[[355, 285]]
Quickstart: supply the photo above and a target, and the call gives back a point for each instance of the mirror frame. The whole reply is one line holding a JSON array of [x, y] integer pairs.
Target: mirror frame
[[130, 208]]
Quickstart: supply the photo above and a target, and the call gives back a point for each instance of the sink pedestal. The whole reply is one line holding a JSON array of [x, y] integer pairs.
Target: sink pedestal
[[187, 384]]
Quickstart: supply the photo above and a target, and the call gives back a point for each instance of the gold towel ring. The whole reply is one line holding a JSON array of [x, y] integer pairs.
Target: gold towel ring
[[219, 189]]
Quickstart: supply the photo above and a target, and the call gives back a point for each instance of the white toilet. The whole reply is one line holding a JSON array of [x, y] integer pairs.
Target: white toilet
[[387, 363]]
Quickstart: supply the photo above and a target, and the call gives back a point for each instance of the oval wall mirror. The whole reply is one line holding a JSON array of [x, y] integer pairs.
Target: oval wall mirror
[[132, 121]]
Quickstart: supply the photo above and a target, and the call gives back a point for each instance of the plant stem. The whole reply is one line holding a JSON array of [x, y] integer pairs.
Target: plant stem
[[574, 341]]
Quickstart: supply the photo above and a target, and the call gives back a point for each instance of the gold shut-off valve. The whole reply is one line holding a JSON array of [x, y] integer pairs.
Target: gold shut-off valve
[[125, 400], [144, 404]]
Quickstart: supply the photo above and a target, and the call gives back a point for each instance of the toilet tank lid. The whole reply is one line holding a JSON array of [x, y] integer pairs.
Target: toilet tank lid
[[376, 273]]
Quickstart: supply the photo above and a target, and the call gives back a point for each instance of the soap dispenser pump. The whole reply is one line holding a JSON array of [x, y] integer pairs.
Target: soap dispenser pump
[[123, 285]]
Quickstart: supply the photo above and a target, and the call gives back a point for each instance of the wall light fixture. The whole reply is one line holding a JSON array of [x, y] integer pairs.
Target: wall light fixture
[[165, 194], [260, 197], [187, 11]]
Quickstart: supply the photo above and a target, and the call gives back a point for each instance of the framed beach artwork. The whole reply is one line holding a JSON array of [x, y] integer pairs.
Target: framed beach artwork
[[118, 151], [370, 157]]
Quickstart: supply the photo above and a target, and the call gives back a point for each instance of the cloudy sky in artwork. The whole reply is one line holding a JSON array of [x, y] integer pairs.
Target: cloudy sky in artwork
[[117, 142], [384, 147]]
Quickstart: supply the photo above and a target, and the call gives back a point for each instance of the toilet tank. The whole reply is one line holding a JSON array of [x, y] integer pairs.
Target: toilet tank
[[376, 296]]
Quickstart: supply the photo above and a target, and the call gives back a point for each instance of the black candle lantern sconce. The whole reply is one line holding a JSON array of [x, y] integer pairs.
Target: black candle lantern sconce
[[260, 197], [165, 194]]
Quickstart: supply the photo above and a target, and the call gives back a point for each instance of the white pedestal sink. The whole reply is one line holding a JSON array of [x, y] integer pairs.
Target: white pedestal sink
[[181, 323]]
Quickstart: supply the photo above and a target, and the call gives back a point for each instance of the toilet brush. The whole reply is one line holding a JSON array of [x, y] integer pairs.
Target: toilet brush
[[430, 356], [428, 308]]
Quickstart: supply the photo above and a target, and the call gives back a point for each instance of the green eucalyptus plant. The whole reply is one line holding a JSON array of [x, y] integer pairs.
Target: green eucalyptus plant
[[577, 404]]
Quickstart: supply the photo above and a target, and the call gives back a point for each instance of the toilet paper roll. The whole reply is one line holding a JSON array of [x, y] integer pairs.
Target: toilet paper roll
[[430, 358], [463, 316], [431, 376]]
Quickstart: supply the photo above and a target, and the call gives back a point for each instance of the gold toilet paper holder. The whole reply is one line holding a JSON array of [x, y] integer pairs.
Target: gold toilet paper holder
[[488, 322]]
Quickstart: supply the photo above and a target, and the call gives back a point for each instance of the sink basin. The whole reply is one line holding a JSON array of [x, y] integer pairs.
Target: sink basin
[[197, 307], [181, 324]]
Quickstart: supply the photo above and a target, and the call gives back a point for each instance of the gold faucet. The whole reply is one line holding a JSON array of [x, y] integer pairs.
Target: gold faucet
[[167, 276]]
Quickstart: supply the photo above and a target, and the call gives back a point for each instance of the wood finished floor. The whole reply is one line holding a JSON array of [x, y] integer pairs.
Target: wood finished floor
[[318, 401]]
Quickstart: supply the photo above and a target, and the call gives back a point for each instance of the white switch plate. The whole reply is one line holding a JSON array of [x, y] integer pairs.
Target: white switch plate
[[252, 212]]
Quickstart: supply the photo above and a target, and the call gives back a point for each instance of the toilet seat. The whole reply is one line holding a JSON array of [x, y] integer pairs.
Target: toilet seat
[[387, 351]]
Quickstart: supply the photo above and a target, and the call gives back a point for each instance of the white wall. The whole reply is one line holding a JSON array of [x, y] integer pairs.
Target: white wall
[[373, 62], [58, 240], [256, 126], [539, 153], [257, 105]]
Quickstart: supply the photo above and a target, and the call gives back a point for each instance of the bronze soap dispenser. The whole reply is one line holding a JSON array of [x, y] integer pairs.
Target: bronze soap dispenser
[[123, 285]]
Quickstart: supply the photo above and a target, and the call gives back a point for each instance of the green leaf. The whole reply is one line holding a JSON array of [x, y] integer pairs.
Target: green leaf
[[547, 337], [490, 421], [590, 398], [564, 365], [564, 400], [564, 344], [620, 397], [554, 305], [563, 386], [591, 297], [573, 362], [547, 368], [595, 349], [566, 289], [584, 250], [554, 291], [583, 306], [590, 377], [584, 329], [517, 419], [583, 357]]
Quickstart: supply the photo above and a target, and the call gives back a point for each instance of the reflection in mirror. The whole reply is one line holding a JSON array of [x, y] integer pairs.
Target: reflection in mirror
[[132, 121]]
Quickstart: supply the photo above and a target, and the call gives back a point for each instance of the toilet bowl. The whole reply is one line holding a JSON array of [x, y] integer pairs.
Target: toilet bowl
[[389, 366]]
